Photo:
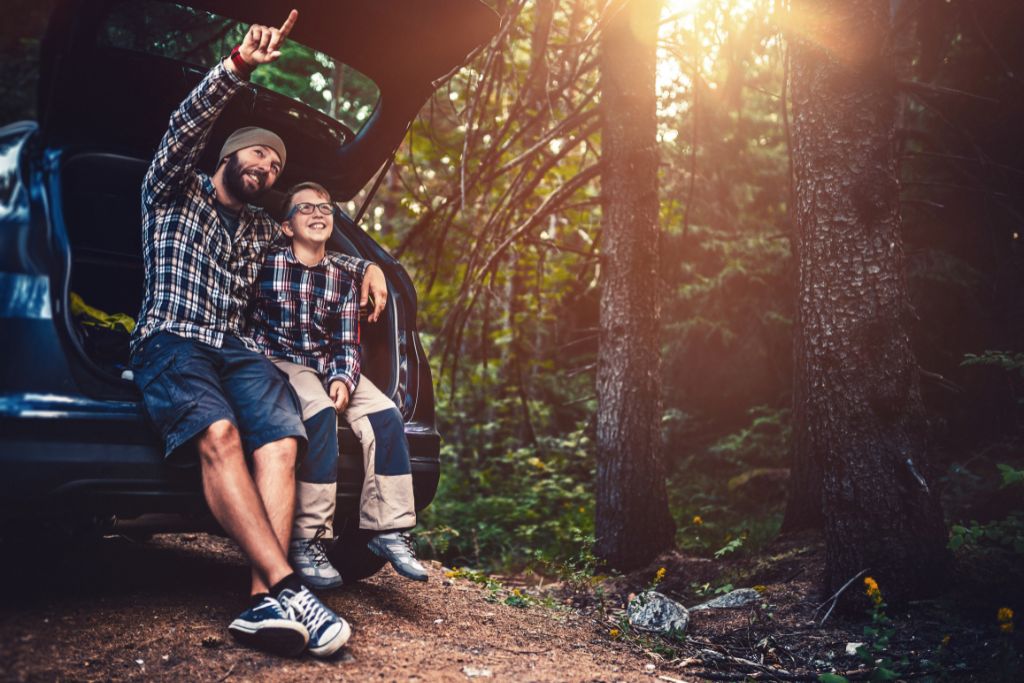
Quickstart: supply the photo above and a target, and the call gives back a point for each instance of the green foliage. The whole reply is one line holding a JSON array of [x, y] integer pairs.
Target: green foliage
[[496, 591], [730, 547], [1005, 534], [765, 441], [832, 678], [705, 589], [727, 497], [1005, 360], [501, 504], [874, 653], [1010, 474]]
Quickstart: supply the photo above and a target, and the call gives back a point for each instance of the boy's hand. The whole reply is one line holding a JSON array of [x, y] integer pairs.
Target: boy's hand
[[339, 394], [261, 43], [374, 283]]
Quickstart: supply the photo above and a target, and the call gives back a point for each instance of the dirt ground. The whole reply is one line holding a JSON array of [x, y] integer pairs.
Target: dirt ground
[[158, 610]]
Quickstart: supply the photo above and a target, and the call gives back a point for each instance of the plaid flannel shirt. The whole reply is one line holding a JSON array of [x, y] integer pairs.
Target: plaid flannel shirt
[[310, 314], [198, 279]]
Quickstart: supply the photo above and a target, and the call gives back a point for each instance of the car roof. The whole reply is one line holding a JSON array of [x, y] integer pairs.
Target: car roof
[[95, 97]]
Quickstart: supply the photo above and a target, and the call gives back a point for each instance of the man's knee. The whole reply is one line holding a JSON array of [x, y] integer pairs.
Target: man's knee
[[219, 443], [279, 454]]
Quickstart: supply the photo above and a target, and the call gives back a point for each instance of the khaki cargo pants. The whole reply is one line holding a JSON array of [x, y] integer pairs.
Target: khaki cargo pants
[[386, 502]]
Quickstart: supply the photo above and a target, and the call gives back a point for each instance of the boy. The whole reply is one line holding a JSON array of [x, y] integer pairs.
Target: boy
[[306, 319]]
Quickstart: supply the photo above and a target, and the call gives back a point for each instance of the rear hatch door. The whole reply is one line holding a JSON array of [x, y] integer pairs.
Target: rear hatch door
[[342, 95]]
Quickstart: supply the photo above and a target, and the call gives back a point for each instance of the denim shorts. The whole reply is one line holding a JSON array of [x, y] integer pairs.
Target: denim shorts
[[188, 385]]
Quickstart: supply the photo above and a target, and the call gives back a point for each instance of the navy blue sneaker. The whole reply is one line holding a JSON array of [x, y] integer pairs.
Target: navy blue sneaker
[[272, 627], [327, 631]]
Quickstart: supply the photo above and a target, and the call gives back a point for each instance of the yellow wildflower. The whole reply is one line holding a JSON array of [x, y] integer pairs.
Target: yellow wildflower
[[946, 639], [659, 575], [1005, 618], [516, 592], [872, 590], [614, 633], [697, 521], [760, 589]]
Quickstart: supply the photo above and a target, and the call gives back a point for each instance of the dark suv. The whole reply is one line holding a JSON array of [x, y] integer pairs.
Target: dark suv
[[75, 447]]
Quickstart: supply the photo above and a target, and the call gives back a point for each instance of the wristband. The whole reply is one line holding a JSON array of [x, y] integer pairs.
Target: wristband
[[240, 64]]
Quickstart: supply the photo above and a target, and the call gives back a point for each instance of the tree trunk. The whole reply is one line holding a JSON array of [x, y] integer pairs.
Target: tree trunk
[[633, 524], [858, 416]]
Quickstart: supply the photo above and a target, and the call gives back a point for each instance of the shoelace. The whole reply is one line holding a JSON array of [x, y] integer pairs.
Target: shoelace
[[277, 605], [315, 548], [404, 543], [311, 612]]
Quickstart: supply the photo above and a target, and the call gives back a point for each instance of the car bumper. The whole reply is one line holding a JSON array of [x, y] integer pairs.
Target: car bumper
[[61, 454]]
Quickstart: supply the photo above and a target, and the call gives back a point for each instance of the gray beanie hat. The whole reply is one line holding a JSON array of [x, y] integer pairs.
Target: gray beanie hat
[[251, 136]]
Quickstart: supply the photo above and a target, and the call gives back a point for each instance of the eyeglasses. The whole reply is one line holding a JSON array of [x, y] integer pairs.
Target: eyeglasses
[[306, 208]]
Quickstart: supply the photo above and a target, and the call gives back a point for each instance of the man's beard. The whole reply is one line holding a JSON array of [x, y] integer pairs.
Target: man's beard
[[234, 182]]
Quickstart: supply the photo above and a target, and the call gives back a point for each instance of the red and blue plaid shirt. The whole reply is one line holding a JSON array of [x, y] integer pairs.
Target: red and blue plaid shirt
[[310, 314], [198, 278]]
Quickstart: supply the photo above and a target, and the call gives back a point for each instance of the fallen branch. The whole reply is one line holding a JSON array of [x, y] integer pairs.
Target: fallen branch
[[230, 671], [835, 598]]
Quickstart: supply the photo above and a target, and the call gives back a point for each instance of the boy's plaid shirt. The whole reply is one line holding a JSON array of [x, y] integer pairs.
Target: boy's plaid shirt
[[198, 279], [310, 314]]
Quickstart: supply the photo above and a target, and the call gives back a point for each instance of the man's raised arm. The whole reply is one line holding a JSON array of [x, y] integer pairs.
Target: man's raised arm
[[192, 121]]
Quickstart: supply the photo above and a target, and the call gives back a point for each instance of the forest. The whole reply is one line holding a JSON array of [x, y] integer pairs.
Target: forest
[[718, 293], [835, 253]]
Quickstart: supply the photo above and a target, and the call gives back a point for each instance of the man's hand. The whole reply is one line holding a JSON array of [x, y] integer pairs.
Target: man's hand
[[261, 43], [375, 284], [339, 395]]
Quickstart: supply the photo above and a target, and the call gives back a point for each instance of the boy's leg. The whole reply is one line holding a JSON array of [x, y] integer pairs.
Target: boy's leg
[[386, 505], [317, 480]]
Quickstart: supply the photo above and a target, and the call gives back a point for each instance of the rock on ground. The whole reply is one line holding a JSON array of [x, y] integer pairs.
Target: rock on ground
[[658, 613], [741, 597]]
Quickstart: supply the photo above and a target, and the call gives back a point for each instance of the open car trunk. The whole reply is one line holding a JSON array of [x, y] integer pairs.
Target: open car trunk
[[355, 74], [112, 72]]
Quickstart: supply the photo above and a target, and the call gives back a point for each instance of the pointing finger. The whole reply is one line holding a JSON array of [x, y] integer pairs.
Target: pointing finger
[[286, 27]]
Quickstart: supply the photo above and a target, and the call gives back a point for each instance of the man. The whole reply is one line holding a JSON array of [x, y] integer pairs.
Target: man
[[203, 380]]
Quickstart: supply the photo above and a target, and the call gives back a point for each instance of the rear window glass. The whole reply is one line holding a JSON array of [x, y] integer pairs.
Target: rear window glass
[[201, 38]]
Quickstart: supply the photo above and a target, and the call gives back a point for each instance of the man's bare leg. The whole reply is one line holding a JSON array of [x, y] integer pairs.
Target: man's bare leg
[[235, 501], [274, 474]]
